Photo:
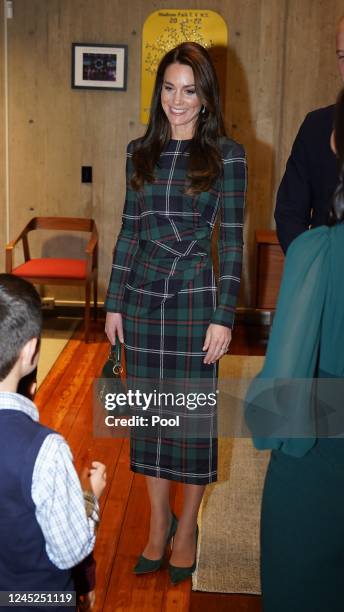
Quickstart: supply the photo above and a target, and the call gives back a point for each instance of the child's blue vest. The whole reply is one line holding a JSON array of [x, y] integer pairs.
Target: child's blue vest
[[24, 563]]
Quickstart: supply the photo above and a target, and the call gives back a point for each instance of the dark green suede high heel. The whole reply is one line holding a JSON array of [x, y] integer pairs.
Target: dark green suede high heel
[[144, 565], [178, 574]]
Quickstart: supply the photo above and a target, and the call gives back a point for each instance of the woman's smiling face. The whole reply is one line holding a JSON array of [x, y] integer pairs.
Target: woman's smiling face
[[180, 101]]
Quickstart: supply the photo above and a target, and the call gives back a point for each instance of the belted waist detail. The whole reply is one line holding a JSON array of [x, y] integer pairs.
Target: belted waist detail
[[171, 249]]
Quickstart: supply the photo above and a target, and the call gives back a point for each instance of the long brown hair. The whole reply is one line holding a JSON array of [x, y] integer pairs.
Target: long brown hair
[[205, 157], [336, 214]]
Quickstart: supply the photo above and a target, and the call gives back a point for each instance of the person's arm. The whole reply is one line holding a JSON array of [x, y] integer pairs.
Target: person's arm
[[230, 245], [294, 196], [60, 506], [279, 406], [126, 245]]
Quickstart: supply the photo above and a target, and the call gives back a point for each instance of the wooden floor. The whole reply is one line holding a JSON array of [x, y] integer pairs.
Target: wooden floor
[[65, 404]]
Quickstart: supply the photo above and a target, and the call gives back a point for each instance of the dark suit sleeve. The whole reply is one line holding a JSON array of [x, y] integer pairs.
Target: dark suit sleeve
[[294, 197]]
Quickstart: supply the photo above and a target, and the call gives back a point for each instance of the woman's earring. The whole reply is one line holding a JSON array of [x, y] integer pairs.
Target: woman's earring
[[202, 109]]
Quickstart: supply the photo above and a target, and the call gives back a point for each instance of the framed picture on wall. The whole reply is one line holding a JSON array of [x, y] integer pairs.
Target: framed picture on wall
[[96, 66]]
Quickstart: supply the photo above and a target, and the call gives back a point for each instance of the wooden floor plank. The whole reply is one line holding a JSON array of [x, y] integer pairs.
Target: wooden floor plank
[[67, 393], [115, 506], [127, 591]]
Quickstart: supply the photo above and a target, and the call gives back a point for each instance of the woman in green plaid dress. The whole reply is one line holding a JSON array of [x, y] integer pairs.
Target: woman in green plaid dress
[[181, 175]]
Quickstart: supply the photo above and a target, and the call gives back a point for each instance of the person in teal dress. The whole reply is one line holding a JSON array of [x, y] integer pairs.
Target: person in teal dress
[[163, 300], [295, 408]]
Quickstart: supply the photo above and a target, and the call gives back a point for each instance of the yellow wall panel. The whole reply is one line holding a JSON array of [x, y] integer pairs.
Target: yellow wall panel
[[164, 30]]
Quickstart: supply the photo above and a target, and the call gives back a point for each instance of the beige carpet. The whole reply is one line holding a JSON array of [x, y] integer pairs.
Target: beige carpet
[[56, 333], [228, 550]]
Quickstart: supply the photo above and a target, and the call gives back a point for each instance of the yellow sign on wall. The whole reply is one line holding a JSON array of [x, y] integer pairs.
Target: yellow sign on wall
[[166, 29]]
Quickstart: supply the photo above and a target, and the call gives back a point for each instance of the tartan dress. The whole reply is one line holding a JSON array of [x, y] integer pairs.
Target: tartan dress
[[163, 283]]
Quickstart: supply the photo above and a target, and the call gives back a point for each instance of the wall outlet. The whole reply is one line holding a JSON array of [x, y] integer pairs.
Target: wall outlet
[[86, 174]]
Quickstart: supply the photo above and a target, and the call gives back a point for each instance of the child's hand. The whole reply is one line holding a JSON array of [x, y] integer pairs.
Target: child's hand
[[94, 478], [86, 602], [97, 476]]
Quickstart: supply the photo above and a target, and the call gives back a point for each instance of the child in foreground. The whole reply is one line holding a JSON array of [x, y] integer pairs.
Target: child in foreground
[[47, 524]]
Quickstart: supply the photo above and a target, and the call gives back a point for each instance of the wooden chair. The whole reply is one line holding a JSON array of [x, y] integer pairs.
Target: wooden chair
[[60, 271], [270, 262]]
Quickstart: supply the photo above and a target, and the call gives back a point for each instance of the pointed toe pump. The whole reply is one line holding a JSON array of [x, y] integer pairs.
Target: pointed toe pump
[[178, 574], [146, 566]]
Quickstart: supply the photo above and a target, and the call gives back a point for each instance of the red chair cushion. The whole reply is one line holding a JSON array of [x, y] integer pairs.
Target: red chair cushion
[[53, 268]]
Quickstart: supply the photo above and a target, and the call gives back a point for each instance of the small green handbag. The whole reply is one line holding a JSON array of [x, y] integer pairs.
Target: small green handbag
[[111, 379], [113, 365]]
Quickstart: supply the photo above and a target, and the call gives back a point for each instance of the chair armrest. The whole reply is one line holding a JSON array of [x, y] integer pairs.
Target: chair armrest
[[10, 246], [28, 227]]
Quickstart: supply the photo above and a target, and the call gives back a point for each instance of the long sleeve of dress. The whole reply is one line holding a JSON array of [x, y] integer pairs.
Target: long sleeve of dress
[[126, 245], [230, 246], [279, 411]]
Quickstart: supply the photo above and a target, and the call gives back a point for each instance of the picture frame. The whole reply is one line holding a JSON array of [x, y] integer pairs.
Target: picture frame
[[99, 66]]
